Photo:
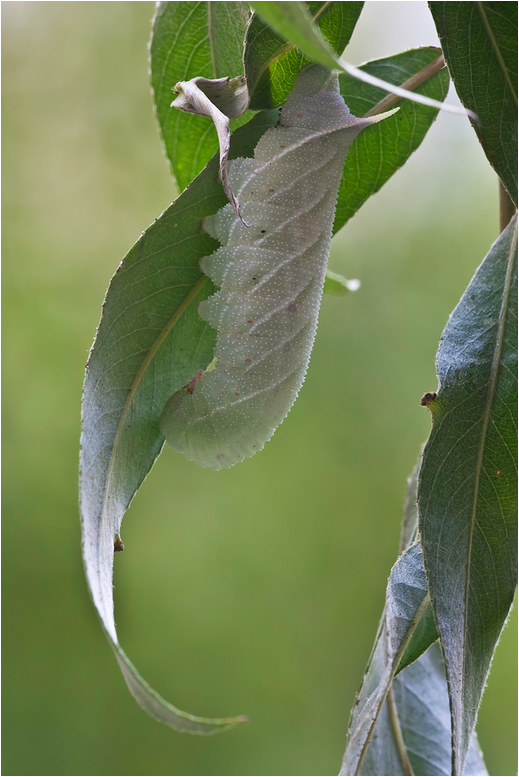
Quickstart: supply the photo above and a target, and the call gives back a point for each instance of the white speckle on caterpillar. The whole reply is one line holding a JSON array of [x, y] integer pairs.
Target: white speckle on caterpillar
[[270, 278]]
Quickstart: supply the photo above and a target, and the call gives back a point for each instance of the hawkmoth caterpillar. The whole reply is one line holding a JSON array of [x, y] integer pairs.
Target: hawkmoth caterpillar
[[270, 276]]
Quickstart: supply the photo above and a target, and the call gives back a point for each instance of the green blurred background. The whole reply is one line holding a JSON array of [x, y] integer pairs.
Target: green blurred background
[[252, 591]]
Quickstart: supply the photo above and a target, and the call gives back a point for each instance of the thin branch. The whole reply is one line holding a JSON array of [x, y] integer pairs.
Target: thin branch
[[363, 75], [423, 75]]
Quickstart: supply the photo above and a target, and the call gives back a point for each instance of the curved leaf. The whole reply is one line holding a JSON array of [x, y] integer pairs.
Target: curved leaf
[[407, 600], [382, 149], [425, 631], [400, 723], [191, 39], [409, 527], [149, 343], [413, 732], [272, 64], [293, 22], [467, 496], [479, 41]]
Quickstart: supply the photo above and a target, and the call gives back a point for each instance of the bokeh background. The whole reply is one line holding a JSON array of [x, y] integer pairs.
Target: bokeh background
[[252, 591]]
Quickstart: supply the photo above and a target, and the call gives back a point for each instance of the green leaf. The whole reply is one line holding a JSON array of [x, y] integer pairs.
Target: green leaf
[[293, 21], [191, 39], [401, 724], [272, 64], [150, 342], [467, 496], [425, 631], [409, 528], [382, 149], [413, 733], [407, 600], [479, 41], [424, 634]]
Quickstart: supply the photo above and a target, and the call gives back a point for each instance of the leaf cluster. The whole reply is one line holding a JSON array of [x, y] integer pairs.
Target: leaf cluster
[[456, 576]]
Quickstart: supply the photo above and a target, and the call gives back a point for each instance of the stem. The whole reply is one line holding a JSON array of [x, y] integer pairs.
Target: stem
[[506, 207], [423, 75], [397, 731], [393, 89]]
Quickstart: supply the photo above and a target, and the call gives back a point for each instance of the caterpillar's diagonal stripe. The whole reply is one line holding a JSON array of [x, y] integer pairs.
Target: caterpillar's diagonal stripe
[[270, 275]]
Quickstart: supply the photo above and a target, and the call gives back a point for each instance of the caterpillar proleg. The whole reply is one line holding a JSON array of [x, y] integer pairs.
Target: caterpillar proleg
[[270, 277]]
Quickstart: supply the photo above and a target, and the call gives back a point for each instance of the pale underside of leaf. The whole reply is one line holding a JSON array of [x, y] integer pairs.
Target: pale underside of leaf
[[149, 343], [100, 547], [407, 600], [412, 735]]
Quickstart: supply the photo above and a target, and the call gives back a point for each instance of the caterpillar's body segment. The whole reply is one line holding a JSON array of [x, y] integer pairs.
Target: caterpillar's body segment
[[270, 276]]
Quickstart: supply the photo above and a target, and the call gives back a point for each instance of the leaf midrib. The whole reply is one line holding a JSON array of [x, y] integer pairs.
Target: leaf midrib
[[494, 373], [496, 49], [397, 733], [288, 46], [129, 399], [211, 37], [394, 666]]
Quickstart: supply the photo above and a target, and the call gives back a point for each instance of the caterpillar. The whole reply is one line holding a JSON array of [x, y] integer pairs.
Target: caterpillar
[[270, 276]]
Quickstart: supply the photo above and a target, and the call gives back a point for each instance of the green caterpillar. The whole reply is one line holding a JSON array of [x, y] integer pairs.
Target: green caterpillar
[[270, 275]]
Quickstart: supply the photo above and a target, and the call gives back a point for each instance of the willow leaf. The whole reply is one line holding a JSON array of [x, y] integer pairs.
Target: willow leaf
[[272, 64], [467, 496], [479, 41], [382, 150], [293, 22], [407, 600], [150, 342], [413, 732]]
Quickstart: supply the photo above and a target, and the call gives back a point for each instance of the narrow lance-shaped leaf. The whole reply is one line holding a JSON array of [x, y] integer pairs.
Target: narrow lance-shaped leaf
[[413, 732], [407, 600], [400, 723], [293, 21], [467, 494], [272, 64], [150, 342], [133, 344], [425, 632], [191, 39], [479, 41]]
